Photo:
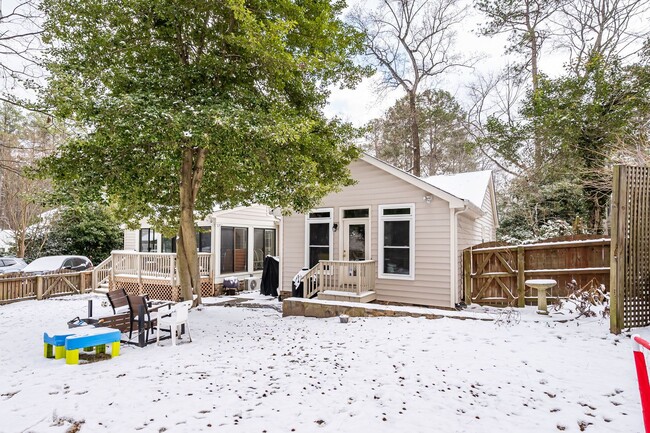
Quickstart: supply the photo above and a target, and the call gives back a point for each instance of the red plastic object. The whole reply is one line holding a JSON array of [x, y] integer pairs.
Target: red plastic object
[[642, 375]]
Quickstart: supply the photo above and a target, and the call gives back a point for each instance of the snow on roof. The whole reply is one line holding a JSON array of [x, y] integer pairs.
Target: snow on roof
[[470, 185]]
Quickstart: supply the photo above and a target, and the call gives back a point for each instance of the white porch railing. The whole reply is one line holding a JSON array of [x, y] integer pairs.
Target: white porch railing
[[160, 266], [102, 272], [339, 275]]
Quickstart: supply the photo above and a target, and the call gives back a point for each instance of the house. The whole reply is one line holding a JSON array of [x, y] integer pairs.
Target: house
[[390, 237], [232, 243]]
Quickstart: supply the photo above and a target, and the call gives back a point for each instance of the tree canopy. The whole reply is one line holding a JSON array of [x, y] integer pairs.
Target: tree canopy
[[184, 104]]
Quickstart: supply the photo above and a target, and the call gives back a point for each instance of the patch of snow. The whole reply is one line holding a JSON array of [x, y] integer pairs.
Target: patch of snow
[[250, 370]]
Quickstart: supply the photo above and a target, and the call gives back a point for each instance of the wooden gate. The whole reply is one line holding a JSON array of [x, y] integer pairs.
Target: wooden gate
[[630, 252], [495, 273]]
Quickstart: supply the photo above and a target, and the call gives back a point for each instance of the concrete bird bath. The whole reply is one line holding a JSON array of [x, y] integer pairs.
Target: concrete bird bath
[[541, 286]]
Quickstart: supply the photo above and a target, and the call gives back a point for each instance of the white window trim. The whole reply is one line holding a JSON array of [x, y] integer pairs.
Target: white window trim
[[329, 220], [380, 241]]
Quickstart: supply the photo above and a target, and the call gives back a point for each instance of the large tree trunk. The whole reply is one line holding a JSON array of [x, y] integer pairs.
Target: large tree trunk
[[415, 133], [532, 36], [186, 251]]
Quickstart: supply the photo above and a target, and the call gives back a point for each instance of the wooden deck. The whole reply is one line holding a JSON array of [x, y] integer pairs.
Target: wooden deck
[[154, 274]]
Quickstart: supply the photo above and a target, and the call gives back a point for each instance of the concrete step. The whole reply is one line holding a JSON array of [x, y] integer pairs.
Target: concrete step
[[335, 295]]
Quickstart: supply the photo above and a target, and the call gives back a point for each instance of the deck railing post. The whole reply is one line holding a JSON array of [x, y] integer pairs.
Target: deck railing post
[[321, 277], [140, 257], [111, 280], [172, 270], [359, 279]]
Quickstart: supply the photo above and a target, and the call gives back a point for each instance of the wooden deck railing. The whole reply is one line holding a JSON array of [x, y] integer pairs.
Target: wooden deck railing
[[161, 266], [339, 275]]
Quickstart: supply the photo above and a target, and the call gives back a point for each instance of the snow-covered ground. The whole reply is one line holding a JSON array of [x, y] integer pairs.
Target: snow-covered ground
[[250, 370]]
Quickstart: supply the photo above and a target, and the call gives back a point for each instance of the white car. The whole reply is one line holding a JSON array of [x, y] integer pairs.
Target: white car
[[11, 264], [49, 264]]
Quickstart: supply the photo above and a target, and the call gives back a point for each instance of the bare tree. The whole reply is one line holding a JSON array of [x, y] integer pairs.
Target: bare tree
[[411, 42], [23, 212], [497, 98], [20, 46], [604, 28], [24, 139], [527, 24]]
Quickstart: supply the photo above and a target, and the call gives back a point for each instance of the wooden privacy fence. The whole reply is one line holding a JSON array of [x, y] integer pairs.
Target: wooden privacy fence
[[495, 273], [630, 255], [18, 287]]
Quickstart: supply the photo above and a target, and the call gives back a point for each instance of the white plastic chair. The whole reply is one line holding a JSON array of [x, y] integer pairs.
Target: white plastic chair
[[178, 316]]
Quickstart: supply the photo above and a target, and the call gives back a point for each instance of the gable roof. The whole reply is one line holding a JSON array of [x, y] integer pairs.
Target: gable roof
[[454, 201]]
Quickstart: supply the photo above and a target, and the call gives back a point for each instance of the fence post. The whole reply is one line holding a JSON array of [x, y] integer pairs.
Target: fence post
[[521, 277], [617, 249], [39, 287], [467, 275], [82, 282]]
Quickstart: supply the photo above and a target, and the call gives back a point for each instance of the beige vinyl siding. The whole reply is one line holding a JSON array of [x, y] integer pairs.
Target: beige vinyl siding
[[131, 240], [375, 187], [253, 215]]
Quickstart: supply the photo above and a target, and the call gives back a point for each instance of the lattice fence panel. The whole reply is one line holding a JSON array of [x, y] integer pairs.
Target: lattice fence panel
[[631, 256]]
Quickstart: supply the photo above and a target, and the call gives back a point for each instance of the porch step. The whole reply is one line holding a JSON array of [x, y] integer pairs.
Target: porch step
[[102, 288], [335, 295]]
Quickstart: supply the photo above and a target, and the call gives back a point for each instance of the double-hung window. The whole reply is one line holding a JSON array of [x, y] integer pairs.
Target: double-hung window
[[397, 241], [318, 236]]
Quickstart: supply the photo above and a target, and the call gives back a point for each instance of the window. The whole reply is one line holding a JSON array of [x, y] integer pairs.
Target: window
[[264, 246], [356, 213], [318, 236], [396, 241], [148, 243], [234, 250], [204, 239], [169, 245]]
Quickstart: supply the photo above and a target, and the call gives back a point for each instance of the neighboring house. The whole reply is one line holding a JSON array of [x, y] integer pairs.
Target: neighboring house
[[6, 241], [415, 229], [240, 237]]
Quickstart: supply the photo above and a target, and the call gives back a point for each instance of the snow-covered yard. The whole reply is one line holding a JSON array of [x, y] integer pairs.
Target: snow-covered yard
[[250, 370]]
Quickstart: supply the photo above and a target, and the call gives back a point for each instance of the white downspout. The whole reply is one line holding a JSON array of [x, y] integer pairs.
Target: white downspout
[[454, 256]]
